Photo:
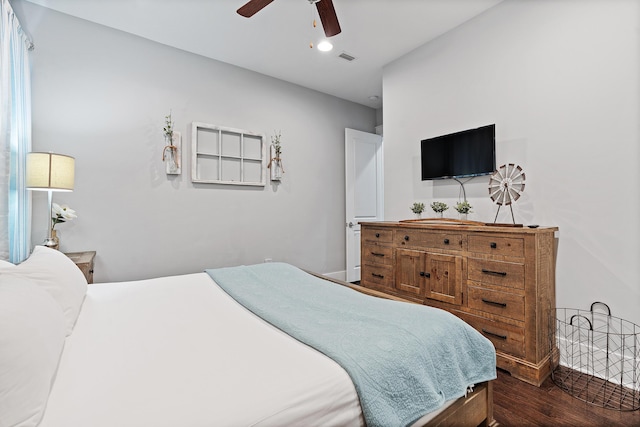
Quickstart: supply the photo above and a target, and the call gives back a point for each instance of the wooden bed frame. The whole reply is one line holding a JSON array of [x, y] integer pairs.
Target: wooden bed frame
[[476, 409]]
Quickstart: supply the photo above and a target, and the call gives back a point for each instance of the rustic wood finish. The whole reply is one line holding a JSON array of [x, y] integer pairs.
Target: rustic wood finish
[[84, 261], [518, 404], [501, 280], [472, 411]]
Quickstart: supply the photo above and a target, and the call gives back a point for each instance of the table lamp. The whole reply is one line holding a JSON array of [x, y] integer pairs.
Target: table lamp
[[50, 172]]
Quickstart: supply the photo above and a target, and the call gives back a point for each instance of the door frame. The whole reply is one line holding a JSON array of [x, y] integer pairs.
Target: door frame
[[352, 232]]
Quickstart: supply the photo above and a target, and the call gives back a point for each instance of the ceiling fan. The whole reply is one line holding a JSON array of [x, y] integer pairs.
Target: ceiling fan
[[325, 8]]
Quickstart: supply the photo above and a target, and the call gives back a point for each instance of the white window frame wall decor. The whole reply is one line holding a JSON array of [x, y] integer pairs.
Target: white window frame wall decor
[[224, 155]]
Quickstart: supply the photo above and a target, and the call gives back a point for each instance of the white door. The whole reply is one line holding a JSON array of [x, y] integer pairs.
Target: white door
[[364, 190]]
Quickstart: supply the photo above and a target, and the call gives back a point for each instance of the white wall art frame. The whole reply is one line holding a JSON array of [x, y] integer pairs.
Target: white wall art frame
[[223, 155]]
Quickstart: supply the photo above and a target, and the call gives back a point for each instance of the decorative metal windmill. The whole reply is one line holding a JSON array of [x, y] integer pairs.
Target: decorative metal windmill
[[506, 185]]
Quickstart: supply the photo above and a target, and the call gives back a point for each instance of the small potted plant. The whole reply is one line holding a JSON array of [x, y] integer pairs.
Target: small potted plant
[[463, 209], [439, 208], [417, 208]]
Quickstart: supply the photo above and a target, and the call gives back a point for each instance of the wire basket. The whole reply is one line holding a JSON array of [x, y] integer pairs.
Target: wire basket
[[596, 357]]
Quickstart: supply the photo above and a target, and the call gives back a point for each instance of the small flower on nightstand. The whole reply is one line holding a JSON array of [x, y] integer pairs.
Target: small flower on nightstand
[[61, 214]]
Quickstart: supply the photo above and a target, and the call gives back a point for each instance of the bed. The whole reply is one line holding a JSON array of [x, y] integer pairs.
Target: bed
[[190, 351]]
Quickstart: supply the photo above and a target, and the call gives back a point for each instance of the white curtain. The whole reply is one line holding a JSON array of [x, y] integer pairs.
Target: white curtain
[[15, 137]]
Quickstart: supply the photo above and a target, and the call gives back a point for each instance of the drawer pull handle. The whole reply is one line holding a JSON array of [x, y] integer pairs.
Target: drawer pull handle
[[499, 304], [406, 238], [380, 276], [377, 234], [446, 241], [497, 273], [425, 274], [502, 337], [493, 245], [376, 254]]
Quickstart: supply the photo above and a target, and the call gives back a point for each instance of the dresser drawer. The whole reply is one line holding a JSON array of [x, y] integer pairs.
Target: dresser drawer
[[506, 246], [383, 235], [377, 254], [421, 239], [377, 277], [500, 273], [506, 338], [496, 302]]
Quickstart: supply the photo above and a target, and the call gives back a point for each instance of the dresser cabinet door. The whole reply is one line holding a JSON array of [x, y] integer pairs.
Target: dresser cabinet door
[[410, 272], [429, 275], [445, 278]]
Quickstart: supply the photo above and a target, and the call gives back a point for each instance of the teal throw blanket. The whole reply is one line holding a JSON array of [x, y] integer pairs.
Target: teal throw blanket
[[405, 360]]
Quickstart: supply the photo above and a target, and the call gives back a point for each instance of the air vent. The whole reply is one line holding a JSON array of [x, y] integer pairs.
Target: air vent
[[346, 56]]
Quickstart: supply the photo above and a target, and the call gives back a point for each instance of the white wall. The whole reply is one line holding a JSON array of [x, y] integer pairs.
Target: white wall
[[101, 95], [560, 79]]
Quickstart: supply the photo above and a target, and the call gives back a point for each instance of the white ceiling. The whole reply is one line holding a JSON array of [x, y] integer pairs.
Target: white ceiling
[[275, 41]]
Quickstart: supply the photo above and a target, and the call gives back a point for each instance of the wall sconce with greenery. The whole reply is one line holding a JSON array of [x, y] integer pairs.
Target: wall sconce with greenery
[[172, 152], [275, 161]]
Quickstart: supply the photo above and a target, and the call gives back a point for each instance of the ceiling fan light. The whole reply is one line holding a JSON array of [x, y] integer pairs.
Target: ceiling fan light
[[325, 46]]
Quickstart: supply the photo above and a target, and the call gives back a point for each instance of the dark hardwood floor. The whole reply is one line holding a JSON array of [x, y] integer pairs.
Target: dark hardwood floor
[[519, 404]]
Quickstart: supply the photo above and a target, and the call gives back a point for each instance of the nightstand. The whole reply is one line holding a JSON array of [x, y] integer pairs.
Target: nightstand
[[84, 261]]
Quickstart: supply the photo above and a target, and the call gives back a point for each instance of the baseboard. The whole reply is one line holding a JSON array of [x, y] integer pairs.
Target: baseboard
[[337, 275]]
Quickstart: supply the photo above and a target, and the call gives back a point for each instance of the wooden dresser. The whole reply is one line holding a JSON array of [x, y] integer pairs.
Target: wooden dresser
[[500, 280]]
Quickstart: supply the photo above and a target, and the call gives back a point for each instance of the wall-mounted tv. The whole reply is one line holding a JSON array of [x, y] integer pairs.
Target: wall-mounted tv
[[467, 153]]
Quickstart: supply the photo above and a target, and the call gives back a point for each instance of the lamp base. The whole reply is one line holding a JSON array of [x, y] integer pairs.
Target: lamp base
[[52, 242]]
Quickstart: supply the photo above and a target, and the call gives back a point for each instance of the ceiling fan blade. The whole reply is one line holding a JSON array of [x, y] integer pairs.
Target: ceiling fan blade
[[252, 7], [328, 17]]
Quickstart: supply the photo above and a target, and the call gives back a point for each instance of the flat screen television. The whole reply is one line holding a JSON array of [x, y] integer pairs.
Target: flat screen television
[[467, 153]]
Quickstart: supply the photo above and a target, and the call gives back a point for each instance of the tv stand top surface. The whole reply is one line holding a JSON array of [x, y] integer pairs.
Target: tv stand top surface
[[442, 221], [458, 223]]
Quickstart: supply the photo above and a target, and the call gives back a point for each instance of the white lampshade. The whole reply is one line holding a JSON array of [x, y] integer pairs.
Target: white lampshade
[[50, 172]]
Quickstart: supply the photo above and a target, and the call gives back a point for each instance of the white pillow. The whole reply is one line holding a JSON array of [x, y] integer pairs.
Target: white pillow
[[5, 264], [32, 334], [57, 274]]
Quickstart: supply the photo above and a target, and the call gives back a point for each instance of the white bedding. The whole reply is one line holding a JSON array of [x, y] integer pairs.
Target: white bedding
[[179, 352]]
